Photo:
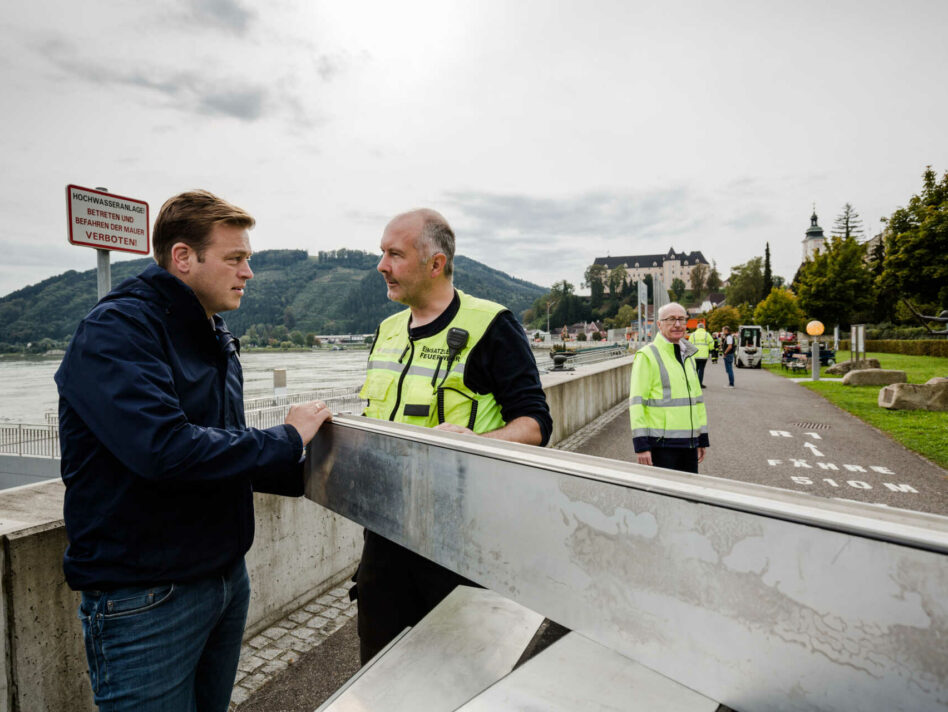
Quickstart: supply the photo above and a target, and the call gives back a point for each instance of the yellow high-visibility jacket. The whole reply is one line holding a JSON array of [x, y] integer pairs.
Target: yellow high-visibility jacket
[[420, 382], [666, 407], [703, 341]]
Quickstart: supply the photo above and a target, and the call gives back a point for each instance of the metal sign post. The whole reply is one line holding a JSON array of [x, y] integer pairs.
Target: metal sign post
[[857, 342], [642, 309], [815, 329], [106, 222]]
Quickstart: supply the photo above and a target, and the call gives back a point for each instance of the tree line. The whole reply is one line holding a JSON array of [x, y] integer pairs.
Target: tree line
[[847, 282], [854, 282]]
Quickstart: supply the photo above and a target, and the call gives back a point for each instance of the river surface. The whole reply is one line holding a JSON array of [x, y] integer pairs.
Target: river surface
[[27, 390]]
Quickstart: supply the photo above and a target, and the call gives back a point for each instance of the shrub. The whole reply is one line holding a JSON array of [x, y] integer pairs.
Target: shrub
[[910, 347]]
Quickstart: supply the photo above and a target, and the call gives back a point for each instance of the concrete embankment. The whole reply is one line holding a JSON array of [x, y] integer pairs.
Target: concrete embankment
[[300, 551]]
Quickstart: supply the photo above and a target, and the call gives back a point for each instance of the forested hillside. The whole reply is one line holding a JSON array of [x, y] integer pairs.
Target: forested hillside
[[333, 292]]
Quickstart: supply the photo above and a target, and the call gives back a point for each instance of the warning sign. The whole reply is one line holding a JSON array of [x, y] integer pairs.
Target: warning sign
[[106, 221]]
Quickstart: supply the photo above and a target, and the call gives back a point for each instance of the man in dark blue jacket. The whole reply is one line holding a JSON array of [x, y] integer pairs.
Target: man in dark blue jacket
[[160, 468]]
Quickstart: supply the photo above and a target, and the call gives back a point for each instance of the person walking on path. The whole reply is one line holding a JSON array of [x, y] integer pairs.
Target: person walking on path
[[160, 468], [730, 347], [666, 407], [703, 342], [452, 362]]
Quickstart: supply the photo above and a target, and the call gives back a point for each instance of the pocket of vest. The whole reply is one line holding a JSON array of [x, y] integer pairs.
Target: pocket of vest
[[377, 385]]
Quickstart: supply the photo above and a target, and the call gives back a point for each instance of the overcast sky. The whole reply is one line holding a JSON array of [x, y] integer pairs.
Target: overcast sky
[[548, 133]]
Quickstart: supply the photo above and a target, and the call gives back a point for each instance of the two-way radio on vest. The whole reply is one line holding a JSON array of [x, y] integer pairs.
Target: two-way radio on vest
[[457, 339]]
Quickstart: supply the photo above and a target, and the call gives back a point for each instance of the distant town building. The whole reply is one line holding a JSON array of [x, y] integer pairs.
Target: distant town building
[[584, 327], [667, 267], [814, 240], [712, 301]]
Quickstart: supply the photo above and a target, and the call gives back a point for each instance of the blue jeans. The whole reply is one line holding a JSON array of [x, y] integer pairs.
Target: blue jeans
[[171, 648], [729, 367]]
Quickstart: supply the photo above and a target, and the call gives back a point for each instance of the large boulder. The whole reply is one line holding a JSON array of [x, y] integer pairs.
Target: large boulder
[[845, 367], [873, 377], [912, 396]]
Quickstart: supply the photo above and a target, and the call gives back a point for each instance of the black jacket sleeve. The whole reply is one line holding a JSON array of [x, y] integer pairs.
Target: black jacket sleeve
[[502, 363], [117, 381]]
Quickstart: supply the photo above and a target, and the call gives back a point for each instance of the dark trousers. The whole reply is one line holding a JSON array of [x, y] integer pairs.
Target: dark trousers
[[700, 363], [395, 589], [676, 458]]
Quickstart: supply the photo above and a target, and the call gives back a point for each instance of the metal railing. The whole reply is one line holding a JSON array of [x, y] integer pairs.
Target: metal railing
[[327, 395], [43, 440], [580, 358], [28, 439]]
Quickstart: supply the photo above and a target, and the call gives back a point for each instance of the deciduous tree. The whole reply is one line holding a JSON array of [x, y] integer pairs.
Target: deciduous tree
[[746, 283], [699, 278], [780, 310], [713, 282], [594, 278], [723, 316], [835, 286], [623, 318], [915, 265], [617, 277]]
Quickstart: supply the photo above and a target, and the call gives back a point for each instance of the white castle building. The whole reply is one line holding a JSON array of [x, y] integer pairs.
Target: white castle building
[[667, 267]]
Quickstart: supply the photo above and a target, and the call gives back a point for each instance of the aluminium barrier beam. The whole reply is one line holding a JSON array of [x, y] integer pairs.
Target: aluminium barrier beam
[[756, 597]]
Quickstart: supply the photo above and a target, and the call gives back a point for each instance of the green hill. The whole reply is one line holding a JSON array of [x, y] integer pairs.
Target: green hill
[[335, 292]]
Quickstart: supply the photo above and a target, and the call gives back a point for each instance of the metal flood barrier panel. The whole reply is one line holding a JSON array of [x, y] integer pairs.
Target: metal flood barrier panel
[[759, 598]]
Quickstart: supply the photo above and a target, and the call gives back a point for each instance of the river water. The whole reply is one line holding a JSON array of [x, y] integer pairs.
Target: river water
[[27, 390]]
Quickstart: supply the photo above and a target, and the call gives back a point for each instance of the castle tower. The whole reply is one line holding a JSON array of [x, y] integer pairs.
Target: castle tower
[[814, 240]]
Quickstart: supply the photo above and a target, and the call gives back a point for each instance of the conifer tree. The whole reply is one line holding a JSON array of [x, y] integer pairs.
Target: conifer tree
[[848, 223], [768, 274]]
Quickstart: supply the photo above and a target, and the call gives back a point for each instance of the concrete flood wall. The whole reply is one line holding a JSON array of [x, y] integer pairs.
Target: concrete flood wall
[[299, 551], [576, 398]]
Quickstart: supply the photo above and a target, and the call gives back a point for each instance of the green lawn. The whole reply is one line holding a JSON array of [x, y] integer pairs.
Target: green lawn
[[924, 432]]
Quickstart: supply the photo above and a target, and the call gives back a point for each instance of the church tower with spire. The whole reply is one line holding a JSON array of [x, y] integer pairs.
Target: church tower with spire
[[814, 240]]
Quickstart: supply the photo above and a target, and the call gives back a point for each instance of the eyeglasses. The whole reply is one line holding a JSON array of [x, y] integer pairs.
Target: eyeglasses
[[675, 320]]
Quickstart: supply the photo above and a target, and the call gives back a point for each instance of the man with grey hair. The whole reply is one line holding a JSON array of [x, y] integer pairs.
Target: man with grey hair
[[666, 407], [449, 361]]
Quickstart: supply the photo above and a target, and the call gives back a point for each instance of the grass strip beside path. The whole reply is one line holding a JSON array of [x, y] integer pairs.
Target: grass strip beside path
[[921, 431]]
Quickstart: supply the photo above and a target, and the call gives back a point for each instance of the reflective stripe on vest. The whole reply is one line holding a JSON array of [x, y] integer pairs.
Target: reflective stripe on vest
[[409, 381], [702, 340]]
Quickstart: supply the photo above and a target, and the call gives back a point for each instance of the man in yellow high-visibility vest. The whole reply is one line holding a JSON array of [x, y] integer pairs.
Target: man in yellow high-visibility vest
[[450, 361], [666, 407], [703, 341]]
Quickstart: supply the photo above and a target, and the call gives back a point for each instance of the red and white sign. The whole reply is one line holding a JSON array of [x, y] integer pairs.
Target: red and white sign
[[106, 221]]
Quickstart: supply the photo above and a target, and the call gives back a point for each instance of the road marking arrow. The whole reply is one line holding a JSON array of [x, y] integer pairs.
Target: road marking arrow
[[816, 453]]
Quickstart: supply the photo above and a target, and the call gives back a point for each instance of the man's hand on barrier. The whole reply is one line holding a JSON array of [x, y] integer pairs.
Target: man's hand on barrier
[[452, 428], [307, 418]]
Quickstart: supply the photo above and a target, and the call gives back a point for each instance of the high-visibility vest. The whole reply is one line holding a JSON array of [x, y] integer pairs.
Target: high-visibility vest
[[421, 382], [665, 400], [702, 339]]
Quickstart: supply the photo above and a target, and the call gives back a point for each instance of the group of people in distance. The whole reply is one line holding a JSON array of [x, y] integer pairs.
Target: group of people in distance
[[160, 468]]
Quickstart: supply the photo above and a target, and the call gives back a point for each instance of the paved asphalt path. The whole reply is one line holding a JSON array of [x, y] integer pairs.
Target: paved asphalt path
[[772, 431]]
